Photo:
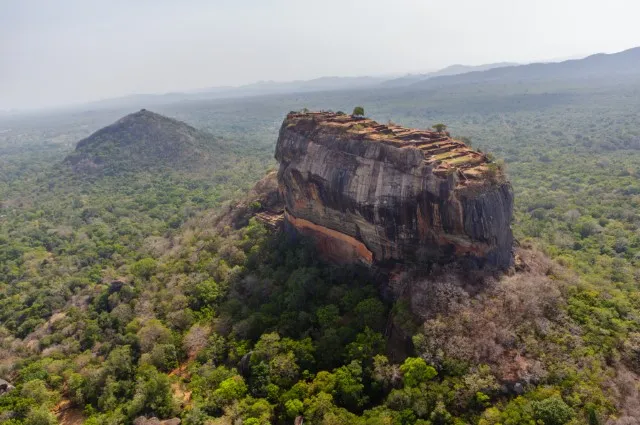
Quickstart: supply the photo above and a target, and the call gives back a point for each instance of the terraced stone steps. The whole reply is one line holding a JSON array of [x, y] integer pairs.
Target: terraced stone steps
[[444, 154]]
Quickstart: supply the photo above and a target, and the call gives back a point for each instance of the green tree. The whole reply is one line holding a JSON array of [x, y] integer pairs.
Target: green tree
[[439, 127], [370, 313], [229, 390], [416, 371], [119, 364], [152, 394], [38, 392], [328, 316], [349, 387], [152, 333], [324, 382], [283, 370], [293, 408], [267, 347], [40, 416], [552, 411], [440, 415], [257, 411], [384, 373], [366, 345], [144, 268], [163, 356], [358, 111]]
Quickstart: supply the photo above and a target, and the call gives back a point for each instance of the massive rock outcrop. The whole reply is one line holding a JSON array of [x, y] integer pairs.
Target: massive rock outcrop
[[382, 194]]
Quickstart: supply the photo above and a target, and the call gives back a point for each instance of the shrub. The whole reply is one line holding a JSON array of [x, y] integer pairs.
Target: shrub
[[152, 394], [164, 357], [229, 390], [293, 407], [552, 411], [144, 268], [439, 127], [416, 371], [40, 416]]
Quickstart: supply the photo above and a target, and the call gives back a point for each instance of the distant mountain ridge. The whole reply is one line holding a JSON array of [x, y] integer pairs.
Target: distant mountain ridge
[[595, 66], [602, 65], [144, 141], [301, 86], [260, 88], [450, 70]]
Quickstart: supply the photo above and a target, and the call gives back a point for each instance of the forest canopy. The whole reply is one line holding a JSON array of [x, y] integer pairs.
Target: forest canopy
[[124, 296]]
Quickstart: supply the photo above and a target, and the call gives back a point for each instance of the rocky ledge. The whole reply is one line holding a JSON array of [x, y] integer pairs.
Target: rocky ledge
[[384, 194]]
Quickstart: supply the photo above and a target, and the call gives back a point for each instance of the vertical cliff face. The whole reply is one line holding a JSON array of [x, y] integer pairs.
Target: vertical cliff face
[[383, 194]]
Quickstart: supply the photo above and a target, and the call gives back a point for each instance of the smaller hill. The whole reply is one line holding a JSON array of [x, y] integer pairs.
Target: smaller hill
[[145, 141]]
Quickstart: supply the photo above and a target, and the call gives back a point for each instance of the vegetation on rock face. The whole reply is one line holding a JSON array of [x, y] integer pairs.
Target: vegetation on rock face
[[124, 295]]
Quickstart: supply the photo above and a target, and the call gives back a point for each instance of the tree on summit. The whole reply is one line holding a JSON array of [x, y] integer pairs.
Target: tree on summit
[[358, 111], [439, 127]]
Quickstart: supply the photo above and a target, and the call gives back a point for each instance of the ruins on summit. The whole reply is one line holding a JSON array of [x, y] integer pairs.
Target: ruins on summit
[[384, 194]]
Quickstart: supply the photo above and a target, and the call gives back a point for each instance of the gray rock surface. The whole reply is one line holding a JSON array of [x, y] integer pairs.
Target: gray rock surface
[[5, 387], [384, 194]]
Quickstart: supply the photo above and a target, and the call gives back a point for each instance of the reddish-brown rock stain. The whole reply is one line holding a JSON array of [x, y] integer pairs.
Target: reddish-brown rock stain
[[332, 245]]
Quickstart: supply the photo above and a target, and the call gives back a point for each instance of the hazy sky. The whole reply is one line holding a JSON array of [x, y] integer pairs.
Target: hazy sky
[[55, 52]]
